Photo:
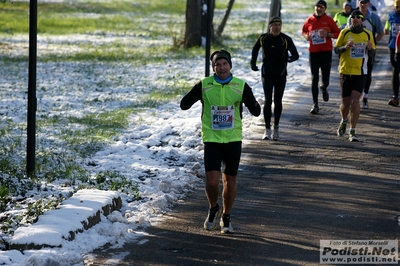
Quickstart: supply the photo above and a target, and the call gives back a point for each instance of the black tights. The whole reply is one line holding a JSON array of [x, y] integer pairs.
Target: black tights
[[323, 61], [395, 73], [277, 84], [368, 80]]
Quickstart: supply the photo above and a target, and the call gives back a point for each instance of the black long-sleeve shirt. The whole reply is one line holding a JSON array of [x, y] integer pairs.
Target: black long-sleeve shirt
[[275, 53]]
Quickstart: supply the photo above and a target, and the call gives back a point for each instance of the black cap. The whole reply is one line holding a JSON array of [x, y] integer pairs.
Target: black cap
[[321, 2], [356, 13], [221, 54], [275, 19]]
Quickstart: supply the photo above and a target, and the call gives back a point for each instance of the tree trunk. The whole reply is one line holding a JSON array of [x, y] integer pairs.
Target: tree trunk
[[225, 18], [275, 10], [193, 24]]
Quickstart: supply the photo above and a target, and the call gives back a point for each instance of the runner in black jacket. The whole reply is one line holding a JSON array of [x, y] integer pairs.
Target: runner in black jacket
[[277, 50]]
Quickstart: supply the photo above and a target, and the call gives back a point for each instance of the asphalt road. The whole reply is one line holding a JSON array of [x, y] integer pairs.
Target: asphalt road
[[309, 186]]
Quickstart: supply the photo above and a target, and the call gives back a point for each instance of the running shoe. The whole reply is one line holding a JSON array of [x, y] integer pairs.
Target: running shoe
[[342, 128], [352, 136], [267, 134], [394, 102], [325, 94], [226, 225], [276, 134], [211, 221], [365, 105], [315, 109]]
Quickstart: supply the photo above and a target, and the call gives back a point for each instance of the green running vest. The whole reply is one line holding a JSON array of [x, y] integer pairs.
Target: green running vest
[[221, 118]]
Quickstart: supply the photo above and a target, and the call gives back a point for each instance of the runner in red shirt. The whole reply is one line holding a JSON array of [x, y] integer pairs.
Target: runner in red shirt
[[318, 30]]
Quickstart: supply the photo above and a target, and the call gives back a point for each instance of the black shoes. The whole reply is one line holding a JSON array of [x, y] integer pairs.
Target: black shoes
[[325, 94], [315, 109]]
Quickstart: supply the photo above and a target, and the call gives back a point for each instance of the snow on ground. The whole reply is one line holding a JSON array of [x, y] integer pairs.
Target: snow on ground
[[161, 148]]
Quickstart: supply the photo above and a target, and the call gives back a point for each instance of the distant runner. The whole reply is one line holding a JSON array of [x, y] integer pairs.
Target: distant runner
[[278, 49], [318, 30]]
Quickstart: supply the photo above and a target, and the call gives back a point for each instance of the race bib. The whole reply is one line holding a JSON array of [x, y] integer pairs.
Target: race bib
[[358, 50], [395, 28], [222, 117], [316, 38]]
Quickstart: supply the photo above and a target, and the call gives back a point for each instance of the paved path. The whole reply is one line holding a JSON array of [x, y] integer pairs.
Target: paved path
[[309, 185]]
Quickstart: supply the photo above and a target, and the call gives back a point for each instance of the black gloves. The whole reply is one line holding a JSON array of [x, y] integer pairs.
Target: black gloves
[[253, 65]]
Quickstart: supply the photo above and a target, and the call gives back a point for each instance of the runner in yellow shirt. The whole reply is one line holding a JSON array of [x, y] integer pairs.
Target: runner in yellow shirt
[[355, 45]]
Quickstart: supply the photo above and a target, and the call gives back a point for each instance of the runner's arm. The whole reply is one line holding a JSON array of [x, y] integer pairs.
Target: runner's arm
[[250, 101], [305, 32], [254, 54], [191, 97], [334, 34], [294, 55]]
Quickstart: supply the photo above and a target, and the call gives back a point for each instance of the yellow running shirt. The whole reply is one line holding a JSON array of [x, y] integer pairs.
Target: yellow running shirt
[[354, 60]]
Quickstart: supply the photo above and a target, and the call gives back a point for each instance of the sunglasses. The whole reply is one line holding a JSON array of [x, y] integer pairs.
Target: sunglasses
[[359, 17], [320, 6]]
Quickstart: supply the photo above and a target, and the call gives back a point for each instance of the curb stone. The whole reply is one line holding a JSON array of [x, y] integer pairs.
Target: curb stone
[[78, 213]]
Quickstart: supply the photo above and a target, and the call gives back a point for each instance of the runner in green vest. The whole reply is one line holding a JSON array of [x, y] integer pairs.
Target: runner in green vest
[[341, 18], [222, 97]]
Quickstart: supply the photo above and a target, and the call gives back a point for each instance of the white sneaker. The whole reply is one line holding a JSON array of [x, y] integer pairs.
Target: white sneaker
[[267, 134], [226, 228], [276, 134], [352, 136], [211, 221]]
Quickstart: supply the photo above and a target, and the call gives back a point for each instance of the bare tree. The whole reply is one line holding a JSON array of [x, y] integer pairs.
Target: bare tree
[[221, 26], [196, 21], [193, 23]]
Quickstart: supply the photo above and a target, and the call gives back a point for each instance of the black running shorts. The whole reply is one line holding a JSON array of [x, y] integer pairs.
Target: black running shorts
[[349, 83], [227, 154]]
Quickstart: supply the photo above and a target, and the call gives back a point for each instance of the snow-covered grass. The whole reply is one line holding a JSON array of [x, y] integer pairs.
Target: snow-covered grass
[[108, 116]]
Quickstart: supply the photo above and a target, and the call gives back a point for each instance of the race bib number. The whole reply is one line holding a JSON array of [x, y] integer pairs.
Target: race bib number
[[395, 27], [222, 117], [316, 38], [358, 50]]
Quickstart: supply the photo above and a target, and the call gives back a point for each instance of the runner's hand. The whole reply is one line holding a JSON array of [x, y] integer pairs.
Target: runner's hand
[[254, 67], [369, 45]]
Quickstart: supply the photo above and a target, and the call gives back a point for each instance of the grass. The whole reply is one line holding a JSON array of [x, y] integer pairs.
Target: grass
[[85, 18], [127, 21], [121, 17]]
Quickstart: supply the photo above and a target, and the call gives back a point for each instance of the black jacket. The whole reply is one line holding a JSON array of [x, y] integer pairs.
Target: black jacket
[[275, 53]]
